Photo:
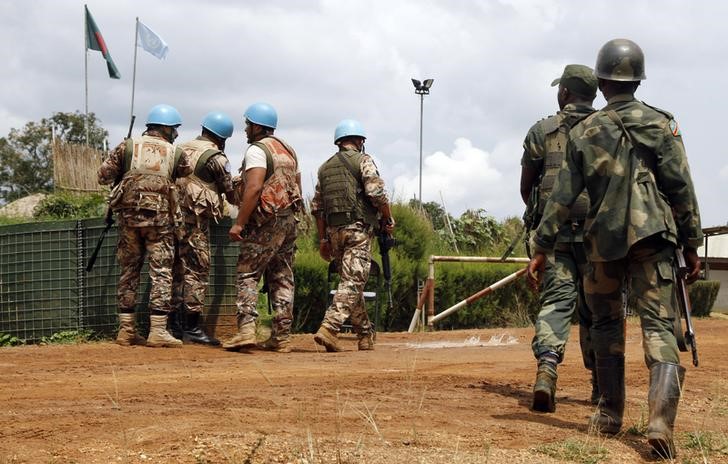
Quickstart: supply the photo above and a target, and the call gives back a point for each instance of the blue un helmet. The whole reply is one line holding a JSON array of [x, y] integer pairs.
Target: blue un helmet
[[219, 124], [347, 128], [164, 115], [262, 114]]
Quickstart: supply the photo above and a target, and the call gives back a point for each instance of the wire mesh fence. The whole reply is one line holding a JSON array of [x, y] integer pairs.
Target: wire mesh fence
[[44, 288]]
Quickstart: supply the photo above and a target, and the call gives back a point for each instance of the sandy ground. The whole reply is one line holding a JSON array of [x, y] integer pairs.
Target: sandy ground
[[438, 397]]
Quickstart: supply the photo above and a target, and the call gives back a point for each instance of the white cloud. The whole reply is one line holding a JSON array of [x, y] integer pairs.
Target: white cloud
[[466, 178]]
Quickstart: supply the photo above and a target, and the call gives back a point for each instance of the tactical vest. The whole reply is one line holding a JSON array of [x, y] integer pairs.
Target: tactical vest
[[556, 137], [342, 190], [149, 164], [280, 195], [198, 195]]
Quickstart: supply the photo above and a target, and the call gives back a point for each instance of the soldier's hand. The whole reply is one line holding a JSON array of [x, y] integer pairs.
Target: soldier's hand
[[388, 225], [692, 261], [234, 233], [325, 250], [535, 269]]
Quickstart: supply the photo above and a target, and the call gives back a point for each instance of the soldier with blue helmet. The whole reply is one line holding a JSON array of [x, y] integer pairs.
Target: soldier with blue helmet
[[349, 204], [642, 206], [202, 198], [144, 170], [268, 198]]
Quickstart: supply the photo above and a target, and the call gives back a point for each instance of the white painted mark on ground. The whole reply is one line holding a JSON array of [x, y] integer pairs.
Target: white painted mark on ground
[[495, 340]]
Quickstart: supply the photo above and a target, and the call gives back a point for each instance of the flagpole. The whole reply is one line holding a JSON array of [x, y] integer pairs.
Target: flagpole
[[85, 67], [133, 78]]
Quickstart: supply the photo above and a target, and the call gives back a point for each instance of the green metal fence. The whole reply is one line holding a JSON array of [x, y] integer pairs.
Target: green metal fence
[[44, 287]]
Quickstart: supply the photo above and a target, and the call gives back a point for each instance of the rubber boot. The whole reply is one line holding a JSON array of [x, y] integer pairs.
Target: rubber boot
[[158, 335], [366, 341], [595, 395], [128, 335], [328, 339], [544, 390], [610, 379], [194, 334], [174, 324], [245, 338], [666, 380]]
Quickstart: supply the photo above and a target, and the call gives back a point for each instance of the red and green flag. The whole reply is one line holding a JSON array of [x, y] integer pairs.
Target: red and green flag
[[95, 41]]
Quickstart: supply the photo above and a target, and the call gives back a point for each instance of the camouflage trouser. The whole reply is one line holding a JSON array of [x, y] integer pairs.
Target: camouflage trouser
[[269, 250], [350, 248], [562, 293], [134, 244], [647, 270], [191, 270]]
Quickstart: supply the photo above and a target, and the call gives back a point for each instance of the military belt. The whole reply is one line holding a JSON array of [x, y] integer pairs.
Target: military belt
[[341, 219]]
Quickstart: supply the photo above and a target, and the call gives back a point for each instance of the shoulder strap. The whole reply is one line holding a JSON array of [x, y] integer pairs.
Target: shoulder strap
[[206, 155], [618, 121], [268, 160], [356, 173], [128, 154]]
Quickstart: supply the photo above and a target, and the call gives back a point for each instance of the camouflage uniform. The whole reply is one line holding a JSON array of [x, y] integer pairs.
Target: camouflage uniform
[[269, 244], [630, 230], [350, 244], [145, 206], [631, 159], [200, 200], [562, 291]]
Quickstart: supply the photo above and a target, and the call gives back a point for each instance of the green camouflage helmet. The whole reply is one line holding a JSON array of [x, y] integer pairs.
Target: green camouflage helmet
[[620, 60]]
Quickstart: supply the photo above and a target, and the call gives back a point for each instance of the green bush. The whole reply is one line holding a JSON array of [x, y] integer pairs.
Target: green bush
[[68, 337], [64, 205], [511, 305], [702, 296], [9, 340], [310, 274]]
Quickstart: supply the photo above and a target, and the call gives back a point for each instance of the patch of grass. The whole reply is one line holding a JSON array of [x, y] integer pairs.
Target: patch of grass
[[572, 450], [639, 428], [10, 220], [10, 340], [707, 443], [68, 337]]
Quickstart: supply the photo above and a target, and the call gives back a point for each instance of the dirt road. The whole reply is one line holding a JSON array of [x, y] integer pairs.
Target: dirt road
[[440, 397]]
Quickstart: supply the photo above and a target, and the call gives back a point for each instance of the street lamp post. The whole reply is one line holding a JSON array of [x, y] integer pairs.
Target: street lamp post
[[422, 89]]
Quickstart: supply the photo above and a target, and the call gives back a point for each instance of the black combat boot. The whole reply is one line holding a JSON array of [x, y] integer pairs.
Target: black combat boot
[[193, 333], [544, 390], [595, 395], [610, 379], [174, 324], [666, 380]]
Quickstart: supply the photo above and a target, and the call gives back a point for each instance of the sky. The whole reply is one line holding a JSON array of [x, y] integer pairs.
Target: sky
[[318, 62]]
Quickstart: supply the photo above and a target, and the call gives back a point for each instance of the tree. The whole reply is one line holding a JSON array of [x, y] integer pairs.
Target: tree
[[478, 233], [26, 161]]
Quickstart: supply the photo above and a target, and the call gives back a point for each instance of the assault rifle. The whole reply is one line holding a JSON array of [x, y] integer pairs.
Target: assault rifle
[[109, 219], [683, 301], [530, 220], [386, 243]]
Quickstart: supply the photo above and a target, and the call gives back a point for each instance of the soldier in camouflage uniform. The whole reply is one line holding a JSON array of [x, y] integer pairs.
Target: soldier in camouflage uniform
[[200, 200], [266, 229], [348, 204], [561, 292], [144, 199], [631, 159]]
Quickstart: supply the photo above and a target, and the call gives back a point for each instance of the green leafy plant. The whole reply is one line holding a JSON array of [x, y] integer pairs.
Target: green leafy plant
[[9, 340], [64, 205], [68, 337]]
